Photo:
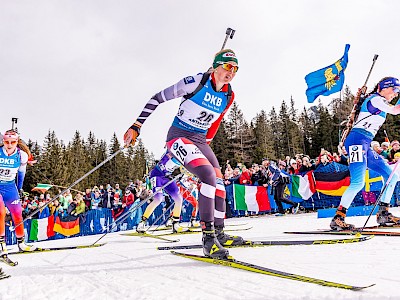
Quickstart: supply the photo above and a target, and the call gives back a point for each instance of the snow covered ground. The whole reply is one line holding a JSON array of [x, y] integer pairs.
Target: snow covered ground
[[130, 267]]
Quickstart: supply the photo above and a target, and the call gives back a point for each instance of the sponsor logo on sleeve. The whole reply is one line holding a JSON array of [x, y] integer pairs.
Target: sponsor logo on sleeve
[[188, 79]]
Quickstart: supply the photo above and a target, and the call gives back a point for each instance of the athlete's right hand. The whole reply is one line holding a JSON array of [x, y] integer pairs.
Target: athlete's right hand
[[131, 134]]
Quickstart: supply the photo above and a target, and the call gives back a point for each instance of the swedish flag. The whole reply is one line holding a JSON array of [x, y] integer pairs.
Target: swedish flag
[[327, 80]]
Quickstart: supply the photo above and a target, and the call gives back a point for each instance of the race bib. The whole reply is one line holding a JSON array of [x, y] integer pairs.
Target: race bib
[[356, 154], [185, 152], [153, 181]]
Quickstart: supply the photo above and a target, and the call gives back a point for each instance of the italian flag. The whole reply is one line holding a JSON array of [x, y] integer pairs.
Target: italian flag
[[303, 186], [41, 229], [250, 198]]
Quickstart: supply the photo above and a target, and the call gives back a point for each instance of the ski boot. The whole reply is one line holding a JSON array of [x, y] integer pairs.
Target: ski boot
[[338, 223], [194, 223], [169, 222], [22, 246], [226, 239], [295, 209], [4, 255], [211, 246], [176, 226], [141, 227], [384, 217]]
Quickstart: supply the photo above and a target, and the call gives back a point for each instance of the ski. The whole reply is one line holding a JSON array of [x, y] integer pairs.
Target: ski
[[380, 227], [227, 227], [5, 259], [144, 234], [3, 275], [198, 230], [233, 263], [50, 249], [347, 232], [253, 244]]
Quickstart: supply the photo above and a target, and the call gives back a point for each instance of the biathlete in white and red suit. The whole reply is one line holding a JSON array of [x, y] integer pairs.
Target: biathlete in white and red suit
[[205, 98]]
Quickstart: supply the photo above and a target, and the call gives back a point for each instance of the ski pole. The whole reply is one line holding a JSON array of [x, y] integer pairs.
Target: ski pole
[[69, 187], [229, 34], [380, 195], [133, 208]]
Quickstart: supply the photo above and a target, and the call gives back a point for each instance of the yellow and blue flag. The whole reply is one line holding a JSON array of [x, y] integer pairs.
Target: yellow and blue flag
[[327, 80]]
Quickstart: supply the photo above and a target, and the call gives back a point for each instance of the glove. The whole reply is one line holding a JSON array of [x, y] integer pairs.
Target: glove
[[21, 194], [131, 134]]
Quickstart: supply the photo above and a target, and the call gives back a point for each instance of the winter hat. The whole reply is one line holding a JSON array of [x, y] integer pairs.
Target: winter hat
[[397, 154], [374, 143], [224, 56], [394, 142], [386, 144], [10, 135], [292, 161], [282, 163]]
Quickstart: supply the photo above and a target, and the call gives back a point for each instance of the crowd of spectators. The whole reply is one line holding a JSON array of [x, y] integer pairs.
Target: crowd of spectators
[[118, 199], [260, 175], [257, 174]]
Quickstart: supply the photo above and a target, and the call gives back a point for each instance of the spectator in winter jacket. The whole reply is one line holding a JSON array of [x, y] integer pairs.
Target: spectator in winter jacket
[[80, 206], [118, 191], [256, 174], [306, 165], [44, 211], [96, 200], [108, 199], [385, 147], [395, 148], [87, 198], [245, 177], [128, 199]]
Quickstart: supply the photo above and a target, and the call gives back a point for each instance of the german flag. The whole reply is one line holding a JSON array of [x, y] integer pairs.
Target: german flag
[[67, 225], [332, 184]]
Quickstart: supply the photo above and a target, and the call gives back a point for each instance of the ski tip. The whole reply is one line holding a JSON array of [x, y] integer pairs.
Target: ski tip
[[359, 288]]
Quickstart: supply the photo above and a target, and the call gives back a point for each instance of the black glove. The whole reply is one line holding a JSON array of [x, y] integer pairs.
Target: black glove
[[21, 194]]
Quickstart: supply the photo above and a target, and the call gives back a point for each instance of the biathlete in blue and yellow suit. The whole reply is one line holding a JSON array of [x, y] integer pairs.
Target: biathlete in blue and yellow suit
[[205, 100], [372, 115], [13, 162]]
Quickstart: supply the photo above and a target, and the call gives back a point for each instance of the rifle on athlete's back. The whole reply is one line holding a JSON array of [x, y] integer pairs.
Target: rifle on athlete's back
[[358, 101]]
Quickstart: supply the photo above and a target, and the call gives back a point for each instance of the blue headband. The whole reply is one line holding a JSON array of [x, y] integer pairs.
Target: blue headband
[[389, 82]]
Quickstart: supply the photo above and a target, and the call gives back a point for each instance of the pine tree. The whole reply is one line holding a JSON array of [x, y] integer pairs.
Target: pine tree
[[220, 144], [51, 168], [77, 162]]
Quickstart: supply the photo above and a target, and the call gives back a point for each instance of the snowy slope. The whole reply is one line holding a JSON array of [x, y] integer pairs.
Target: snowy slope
[[132, 268]]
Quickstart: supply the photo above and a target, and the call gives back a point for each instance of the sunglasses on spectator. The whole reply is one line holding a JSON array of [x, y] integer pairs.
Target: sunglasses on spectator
[[10, 142], [229, 67]]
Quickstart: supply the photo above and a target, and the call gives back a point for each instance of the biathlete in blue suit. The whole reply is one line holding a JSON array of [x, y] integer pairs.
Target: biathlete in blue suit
[[13, 162], [372, 115]]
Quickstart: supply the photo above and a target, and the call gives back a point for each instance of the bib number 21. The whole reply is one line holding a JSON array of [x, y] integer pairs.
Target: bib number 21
[[355, 153]]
